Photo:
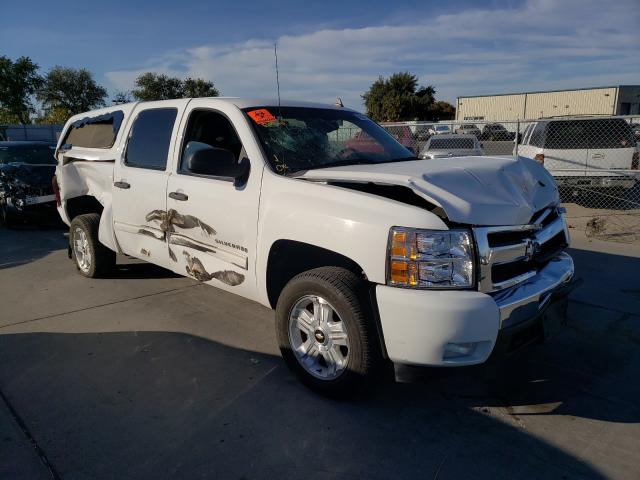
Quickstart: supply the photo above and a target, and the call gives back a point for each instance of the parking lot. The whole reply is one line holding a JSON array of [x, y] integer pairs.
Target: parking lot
[[150, 375]]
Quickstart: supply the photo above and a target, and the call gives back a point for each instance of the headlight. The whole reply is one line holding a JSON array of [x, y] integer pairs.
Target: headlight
[[430, 258]]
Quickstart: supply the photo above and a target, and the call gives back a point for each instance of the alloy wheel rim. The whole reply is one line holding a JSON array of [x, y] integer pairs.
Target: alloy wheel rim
[[82, 250], [318, 337]]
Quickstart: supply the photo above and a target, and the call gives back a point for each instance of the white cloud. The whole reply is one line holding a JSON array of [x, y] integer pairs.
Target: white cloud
[[543, 44]]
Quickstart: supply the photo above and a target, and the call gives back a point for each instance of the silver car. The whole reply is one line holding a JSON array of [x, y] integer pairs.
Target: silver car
[[443, 146], [468, 128], [440, 129]]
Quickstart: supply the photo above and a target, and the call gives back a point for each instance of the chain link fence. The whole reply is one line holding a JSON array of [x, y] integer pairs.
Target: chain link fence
[[594, 160], [42, 133]]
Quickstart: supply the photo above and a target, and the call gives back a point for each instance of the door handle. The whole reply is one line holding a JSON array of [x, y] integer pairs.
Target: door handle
[[597, 155], [121, 184], [179, 196]]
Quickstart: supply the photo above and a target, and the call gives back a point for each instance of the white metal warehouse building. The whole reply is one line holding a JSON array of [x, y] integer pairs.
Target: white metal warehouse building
[[618, 100]]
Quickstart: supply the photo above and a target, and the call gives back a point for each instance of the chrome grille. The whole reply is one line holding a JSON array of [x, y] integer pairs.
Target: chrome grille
[[512, 254]]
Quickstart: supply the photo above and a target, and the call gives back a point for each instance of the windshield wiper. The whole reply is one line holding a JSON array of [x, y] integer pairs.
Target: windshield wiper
[[401, 159], [362, 161], [343, 163]]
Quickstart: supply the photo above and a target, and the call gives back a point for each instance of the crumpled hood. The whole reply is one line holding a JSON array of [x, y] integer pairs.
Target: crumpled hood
[[471, 190]]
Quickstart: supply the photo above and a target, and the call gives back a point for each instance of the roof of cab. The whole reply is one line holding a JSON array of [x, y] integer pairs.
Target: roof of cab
[[237, 101]]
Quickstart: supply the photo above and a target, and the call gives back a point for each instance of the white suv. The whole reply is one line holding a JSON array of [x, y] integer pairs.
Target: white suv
[[592, 152]]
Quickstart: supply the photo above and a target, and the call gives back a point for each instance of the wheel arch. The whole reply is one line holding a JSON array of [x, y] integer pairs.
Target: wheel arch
[[84, 204], [288, 258]]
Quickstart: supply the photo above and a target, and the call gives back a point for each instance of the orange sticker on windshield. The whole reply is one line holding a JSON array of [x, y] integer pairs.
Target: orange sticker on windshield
[[261, 116]]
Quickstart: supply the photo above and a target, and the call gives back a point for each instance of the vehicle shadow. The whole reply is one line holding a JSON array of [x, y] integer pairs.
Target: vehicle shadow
[[131, 269], [19, 246], [26, 244], [169, 405]]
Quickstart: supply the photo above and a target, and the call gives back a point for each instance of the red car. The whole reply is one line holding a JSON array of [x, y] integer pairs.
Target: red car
[[401, 133]]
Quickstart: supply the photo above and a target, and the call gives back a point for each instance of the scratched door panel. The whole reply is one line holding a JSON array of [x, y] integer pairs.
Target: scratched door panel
[[211, 223], [137, 231], [211, 236]]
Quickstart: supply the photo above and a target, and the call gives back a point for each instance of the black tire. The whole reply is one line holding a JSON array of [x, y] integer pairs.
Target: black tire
[[103, 259], [347, 294]]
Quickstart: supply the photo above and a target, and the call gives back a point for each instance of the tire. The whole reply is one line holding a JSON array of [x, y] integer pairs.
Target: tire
[[345, 294], [96, 260]]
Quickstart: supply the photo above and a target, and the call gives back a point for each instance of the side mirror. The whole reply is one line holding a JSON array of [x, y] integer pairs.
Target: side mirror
[[203, 159]]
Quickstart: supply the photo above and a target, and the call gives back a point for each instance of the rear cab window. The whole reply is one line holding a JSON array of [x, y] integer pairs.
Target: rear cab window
[[94, 132]]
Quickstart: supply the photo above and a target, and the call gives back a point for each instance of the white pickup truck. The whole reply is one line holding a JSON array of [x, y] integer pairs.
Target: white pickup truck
[[367, 254]]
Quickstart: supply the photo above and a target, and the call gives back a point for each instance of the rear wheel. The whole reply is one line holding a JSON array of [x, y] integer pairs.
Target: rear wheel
[[92, 258], [325, 330]]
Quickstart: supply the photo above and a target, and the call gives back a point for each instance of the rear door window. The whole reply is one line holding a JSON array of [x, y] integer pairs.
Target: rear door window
[[569, 135], [148, 145], [95, 132]]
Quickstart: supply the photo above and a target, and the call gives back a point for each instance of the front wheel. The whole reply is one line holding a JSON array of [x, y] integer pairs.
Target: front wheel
[[325, 330]]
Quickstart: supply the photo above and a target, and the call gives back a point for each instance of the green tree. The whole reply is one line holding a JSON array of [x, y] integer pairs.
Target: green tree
[[195, 88], [152, 86], [398, 98], [54, 116], [19, 81], [121, 97], [442, 110], [70, 91]]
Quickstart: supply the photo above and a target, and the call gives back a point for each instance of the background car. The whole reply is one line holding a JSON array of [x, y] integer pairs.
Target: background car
[[422, 132], [496, 131], [443, 146], [404, 136], [26, 192], [440, 129], [468, 128], [589, 152]]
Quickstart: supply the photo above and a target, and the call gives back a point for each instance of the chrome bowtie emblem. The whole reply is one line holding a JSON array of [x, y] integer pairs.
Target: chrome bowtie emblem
[[531, 249]]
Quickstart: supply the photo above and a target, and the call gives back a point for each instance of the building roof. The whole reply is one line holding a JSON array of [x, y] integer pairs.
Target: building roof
[[549, 91]]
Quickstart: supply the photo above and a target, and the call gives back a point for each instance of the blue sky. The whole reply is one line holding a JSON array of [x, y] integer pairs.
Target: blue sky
[[329, 48]]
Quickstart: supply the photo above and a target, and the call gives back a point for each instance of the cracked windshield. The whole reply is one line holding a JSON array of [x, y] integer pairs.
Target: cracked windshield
[[296, 139]]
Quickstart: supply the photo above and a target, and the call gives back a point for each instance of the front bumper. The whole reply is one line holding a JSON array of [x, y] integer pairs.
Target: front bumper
[[419, 326], [20, 212], [625, 182]]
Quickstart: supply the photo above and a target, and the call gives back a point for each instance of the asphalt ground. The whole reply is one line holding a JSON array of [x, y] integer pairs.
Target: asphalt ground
[[147, 375]]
